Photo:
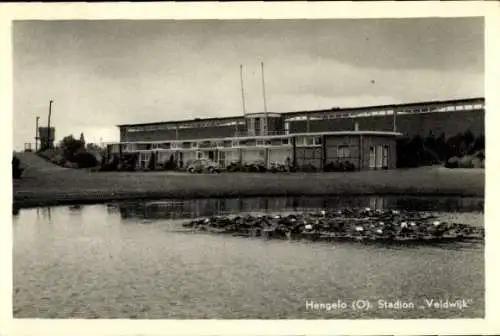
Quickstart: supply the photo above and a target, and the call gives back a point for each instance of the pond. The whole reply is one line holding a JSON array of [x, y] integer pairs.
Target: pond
[[132, 260]]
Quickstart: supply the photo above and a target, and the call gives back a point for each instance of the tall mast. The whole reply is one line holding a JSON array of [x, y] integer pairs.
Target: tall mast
[[264, 96], [242, 91], [242, 99]]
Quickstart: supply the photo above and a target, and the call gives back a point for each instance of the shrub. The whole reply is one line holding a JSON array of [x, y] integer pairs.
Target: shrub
[[71, 165], [111, 165], [16, 168], [58, 160], [452, 162], [84, 159], [308, 168], [465, 162], [349, 166], [338, 166], [235, 167], [170, 164], [129, 162]]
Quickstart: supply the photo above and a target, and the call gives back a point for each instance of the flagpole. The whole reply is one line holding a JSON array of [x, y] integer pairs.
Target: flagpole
[[242, 99], [264, 96], [242, 91]]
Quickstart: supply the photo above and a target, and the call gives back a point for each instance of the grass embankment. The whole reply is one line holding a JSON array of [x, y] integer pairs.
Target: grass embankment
[[47, 184]]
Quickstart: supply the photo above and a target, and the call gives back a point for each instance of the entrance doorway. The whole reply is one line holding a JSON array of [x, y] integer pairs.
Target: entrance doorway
[[211, 155], [222, 159]]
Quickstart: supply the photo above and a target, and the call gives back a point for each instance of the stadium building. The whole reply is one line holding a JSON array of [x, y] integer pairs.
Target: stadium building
[[363, 136]]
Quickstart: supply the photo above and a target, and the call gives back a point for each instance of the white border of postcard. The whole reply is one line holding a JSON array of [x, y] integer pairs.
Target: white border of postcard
[[254, 10]]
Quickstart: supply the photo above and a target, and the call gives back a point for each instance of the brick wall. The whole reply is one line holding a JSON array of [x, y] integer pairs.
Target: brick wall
[[332, 144], [410, 125], [183, 134]]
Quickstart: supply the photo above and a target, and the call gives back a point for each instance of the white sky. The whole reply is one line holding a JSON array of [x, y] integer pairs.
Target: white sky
[[104, 73]]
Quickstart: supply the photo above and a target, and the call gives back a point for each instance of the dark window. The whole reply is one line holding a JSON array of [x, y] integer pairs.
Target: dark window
[[165, 145]]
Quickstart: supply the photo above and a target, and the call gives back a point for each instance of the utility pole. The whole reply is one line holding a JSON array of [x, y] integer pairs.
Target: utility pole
[[48, 128], [36, 134]]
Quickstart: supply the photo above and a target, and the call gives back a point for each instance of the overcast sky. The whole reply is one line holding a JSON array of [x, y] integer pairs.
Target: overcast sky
[[104, 73]]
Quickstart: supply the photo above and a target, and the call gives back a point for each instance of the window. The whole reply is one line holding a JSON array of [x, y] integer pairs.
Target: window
[[385, 157], [249, 142], [165, 145], [379, 156], [258, 125], [317, 140], [301, 141], [260, 142], [205, 144], [135, 129], [186, 144], [285, 141], [371, 163], [343, 152]]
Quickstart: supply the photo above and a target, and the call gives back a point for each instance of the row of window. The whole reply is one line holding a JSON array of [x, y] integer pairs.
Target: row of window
[[208, 144], [258, 126], [308, 141], [357, 114], [378, 155], [196, 124]]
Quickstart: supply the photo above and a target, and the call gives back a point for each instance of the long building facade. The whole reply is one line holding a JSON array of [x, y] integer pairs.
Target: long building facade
[[365, 136]]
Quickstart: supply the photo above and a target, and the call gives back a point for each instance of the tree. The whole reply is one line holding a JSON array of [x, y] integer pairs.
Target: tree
[[468, 138], [82, 139], [456, 146], [70, 146]]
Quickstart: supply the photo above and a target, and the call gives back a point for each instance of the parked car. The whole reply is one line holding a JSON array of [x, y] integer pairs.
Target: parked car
[[203, 166]]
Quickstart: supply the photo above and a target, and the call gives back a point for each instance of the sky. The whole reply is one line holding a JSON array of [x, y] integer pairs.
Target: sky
[[104, 73]]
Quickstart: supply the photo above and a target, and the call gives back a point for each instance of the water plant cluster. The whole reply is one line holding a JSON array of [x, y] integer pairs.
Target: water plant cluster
[[345, 224]]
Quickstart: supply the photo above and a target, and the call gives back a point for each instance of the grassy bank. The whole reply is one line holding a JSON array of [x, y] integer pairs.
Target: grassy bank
[[47, 185]]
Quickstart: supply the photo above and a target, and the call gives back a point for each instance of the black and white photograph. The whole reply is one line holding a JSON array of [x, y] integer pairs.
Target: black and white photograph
[[249, 169]]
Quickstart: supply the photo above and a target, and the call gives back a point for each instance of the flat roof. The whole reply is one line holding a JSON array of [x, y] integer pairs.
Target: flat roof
[[292, 113]]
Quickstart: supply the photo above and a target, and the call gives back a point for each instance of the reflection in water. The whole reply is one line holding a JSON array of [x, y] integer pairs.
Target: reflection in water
[[184, 209], [47, 214], [75, 208]]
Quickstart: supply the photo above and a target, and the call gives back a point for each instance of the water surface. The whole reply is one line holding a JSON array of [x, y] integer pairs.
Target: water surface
[[130, 260]]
